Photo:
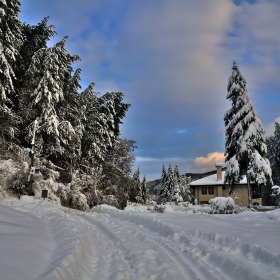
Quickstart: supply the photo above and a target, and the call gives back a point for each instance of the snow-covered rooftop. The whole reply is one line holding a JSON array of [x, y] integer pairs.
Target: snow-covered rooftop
[[212, 180]]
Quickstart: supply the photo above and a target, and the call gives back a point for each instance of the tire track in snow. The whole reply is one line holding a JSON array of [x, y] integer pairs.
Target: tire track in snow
[[253, 261], [106, 260], [174, 263]]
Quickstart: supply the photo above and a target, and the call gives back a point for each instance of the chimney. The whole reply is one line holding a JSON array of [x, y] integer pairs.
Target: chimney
[[219, 171]]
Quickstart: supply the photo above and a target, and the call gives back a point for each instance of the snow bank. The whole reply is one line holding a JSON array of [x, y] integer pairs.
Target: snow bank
[[39, 241], [27, 199], [273, 215]]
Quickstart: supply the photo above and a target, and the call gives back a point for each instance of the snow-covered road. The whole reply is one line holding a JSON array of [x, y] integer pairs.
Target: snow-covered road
[[39, 241]]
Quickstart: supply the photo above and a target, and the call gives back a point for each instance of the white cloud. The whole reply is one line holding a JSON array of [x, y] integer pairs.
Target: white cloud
[[147, 159], [256, 41], [270, 128]]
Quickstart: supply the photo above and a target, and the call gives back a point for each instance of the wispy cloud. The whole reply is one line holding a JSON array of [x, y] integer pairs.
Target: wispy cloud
[[271, 127], [181, 131]]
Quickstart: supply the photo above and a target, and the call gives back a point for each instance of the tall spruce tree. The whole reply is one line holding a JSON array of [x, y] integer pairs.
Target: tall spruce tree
[[177, 174], [162, 180], [48, 75], [137, 186], [245, 147], [162, 183], [176, 194], [144, 190], [10, 39], [34, 37], [167, 192], [277, 152], [273, 153]]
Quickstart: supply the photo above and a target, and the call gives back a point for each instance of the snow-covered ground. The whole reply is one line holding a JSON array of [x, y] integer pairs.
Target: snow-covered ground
[[40, 241]]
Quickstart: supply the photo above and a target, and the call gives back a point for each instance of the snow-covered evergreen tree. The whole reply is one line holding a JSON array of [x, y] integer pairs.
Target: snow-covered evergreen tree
[[10, 39], [162, 181], [176, 195], [186, 191], [48, 75], [245, 147], [70, 110], [116, 170], [177, 174], [101, 124], [93, 144], [34, 37], [276, 154], [273, 154], [137, 186], [167, 192], [144, 190], [114, 110]]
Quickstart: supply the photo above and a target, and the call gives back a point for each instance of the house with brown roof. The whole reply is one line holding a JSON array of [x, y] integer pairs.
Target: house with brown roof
[[213, 186]]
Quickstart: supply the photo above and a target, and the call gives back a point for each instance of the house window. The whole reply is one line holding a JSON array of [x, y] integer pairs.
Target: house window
[[211, 190], [224, 188], [204, 190]]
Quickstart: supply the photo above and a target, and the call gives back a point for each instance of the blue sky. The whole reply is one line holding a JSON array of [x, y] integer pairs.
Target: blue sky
[[172, 60]]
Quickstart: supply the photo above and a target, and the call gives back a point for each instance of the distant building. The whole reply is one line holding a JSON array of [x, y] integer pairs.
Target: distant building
[[213, 186]]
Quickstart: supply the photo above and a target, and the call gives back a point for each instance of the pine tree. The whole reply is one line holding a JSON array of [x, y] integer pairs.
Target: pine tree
[[118, 163], [168, 186], [177, 174], [137, 186], [273, 155], [93, 146], [176, 194], [70, 111], [10, 39], [34, 38], [162, 180], [276, 149], [245, 146], [48, 74], [114, 109], [144, 190], [186, 191]]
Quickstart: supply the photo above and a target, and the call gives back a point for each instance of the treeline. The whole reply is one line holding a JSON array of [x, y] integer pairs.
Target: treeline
[[173, 187], [77, 133]]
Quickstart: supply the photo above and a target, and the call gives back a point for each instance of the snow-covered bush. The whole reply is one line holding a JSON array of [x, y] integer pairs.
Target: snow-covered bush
[[78, 201], [222, 205], [276, 190], [276, 194], [14, 177]]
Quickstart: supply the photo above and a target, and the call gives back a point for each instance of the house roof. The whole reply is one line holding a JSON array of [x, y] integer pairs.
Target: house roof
[[212, 180]]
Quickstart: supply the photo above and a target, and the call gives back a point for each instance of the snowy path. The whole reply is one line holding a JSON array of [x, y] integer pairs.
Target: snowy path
[[39, 241]]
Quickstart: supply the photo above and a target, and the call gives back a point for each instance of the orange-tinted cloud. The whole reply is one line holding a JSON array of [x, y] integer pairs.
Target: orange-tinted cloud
[[208, 163]]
